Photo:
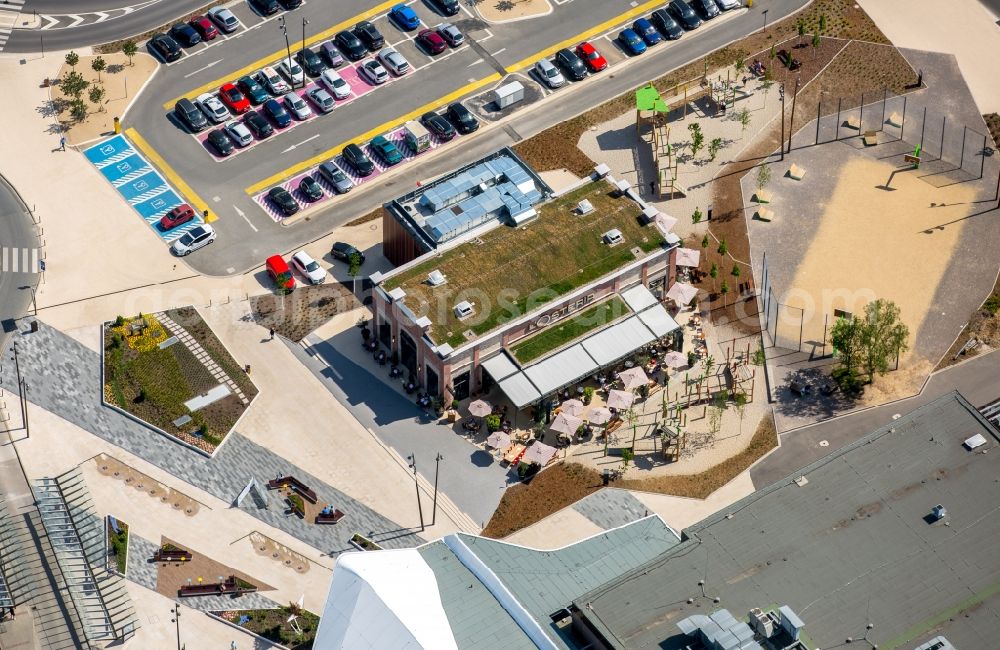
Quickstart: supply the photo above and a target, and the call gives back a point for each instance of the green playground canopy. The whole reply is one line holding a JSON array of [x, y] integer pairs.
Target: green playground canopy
[[648, 99]]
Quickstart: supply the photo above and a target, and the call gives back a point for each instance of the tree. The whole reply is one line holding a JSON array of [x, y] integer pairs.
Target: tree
[[78, 110], [354, 264], [723, 249], [883, 336], [704, 241], [740, 62], [771, 54], [736, 271], [73, 84], [744, 117], [97, 96], [715, 421], [696, 216], [763, 176], [72, 59], [846, 338], [627, 456], [740, 404], [714, 273], [713, 148], [724, 288], [129, 49], [697, 138], [767, 82], [98, 65], [802, 31], [822, 22], [815, 44]]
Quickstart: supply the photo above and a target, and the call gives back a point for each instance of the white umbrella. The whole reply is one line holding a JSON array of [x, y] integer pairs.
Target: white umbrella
[[688, 257], [633, 377], [498, 440], [682, 293], [572, 407], [480, 408], [565, 423], [600, 415], [620, 399], [675, 359], [539, 453], [664, 222]]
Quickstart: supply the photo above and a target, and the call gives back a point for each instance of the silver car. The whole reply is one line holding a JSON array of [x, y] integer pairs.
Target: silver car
[[549, 74], [323, 100], [224, 18], [297, 106], [451, 34], [198, 237], [239, 133], [374, 72], [395, 61], [213, 107], [725, 5], [335, 177]]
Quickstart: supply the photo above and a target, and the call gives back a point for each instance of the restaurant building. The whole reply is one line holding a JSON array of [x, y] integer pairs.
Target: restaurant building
[[501, 281]]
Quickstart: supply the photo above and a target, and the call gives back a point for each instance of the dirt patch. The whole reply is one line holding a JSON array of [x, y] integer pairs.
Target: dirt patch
[[296, 314], [371, 216], [499, 11], [171, 576], [267, 547], [993, 124], [131, 477], [983, 325]]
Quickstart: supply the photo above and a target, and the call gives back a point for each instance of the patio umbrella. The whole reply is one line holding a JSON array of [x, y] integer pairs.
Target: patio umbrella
[[539, 453], [688, 257], [565, 423], [480, 408], [600, 415], [633, 377], [619, 399], [682, 293], [572, 407], [498, 440], [664, 222], [675, 359]]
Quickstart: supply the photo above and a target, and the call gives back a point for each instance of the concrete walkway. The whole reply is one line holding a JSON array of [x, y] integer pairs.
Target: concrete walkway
[[200, 354]]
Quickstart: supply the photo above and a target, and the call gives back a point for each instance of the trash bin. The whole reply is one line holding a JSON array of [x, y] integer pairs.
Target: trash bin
[[508, 94]]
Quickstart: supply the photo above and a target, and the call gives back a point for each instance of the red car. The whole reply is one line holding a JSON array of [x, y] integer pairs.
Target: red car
[[179, 215], [204, 27], [431, 41], [591, 57], [234, 98], [279, 272]]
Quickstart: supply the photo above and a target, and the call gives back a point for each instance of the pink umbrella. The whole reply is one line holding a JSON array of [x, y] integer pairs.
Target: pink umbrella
[[619, 399], [688, 257], [600, 415], [633, 377], [675, 359], [498, 440], [539, 453], [565, 423], [480, 408], [572, 407]]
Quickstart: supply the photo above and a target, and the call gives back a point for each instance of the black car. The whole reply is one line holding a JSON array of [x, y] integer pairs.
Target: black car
[[357, 159], [350, 45], [707, 9], [253, 90], [221, 142], [462, 118], [310, 188], [684, 14], [446, 7], [276, 111], [344, 252], [571, 64], [310, 62], [260, 127], [166, 47], [369, 35], [439, 126], [191, 115], [664, 22], [265, 7], [291, 4], [185, 34], [283, 199]]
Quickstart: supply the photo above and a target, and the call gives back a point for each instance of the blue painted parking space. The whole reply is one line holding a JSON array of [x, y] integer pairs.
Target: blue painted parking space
[[138, 183]]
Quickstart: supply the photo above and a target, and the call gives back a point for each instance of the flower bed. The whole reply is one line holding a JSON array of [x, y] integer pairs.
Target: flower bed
[[118, 543], [364, 544], [273, 625]]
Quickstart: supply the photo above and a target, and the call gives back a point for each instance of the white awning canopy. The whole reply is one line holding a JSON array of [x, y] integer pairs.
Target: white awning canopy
[[618, 341], [561, 369], [638, 297], [658, 321], [520, 390], [500, 367]]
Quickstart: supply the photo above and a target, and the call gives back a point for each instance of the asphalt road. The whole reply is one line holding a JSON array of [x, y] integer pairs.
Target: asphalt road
[[244, 240], [17, 232]]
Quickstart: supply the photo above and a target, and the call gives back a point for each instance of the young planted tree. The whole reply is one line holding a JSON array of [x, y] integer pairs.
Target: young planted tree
[[740, 62], [740, 404], [96, 96], [736, 273], [696, 216], [723, 249], [713, 148], [78, 109], [72, 58], [802, 31], [715, 421], [815, 44], [98, 65], [354, 264], [129, 49], [883, 336], [73, 84], [763, 176], [771, 54], [724, 289], [714, 274], [822, 22], [744, 117], [704, 241], [697, 138]]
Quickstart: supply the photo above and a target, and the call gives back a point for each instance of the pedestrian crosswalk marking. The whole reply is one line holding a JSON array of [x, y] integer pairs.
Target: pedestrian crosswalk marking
[[18, 260]]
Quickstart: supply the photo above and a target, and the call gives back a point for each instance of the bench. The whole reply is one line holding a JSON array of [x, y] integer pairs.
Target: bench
[[788, 60], [910, 158], [172, 555], [796, 173], [870, 138], [330, 518], [614, 424], [231, 586], [295, 485]]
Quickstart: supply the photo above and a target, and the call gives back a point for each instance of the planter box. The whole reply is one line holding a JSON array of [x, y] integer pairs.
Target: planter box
[[362, 543]]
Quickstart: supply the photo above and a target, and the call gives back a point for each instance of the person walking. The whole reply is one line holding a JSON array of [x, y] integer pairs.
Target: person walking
[[62, 143], [272, 334]]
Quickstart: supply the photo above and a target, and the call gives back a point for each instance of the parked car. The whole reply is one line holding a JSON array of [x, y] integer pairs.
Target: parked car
[[265, 7], [462, 118], [591, 57], [239, 133], [291, 4], [394, 61], [707, 9], [438, 125], [276, 111], [284, 200], [221, 142], [335, 84], [198, 237], [310, 189], [358, 160], [292, 71], [373, 71], [165, 47], [450, 33], [253, 90], [322, 99], [310, 62], [726, 5], [369, 35], [647, 32], [214, 109], [386, 150], [343, 252], [631, 42], [177, 217], [224, 18], [571, 64], [280, 274], [684, 14], [190, 115], [337, 179], [431, 41], [308, 267], [446, 7], [549, 73], [204, 27], [329, 51], [667, 24], [273, 81], [348, 43], [260, 127], [185, 34], [234, 99], [404, 17], [298, 106]]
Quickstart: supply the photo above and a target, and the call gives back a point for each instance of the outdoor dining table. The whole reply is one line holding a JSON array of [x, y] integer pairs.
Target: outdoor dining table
[[514, 452]]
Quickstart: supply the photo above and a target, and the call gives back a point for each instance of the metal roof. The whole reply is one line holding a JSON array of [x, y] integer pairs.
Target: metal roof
[[850, 546], [499, 366], [520, 390], [638, 297], [617, 341], [561, 369]]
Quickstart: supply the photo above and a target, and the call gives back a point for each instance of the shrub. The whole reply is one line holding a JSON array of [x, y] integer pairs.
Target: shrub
[[492, 422], [992, 304]]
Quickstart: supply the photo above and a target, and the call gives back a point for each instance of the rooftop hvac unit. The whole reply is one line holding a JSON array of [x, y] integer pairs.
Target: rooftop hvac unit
[[436, 278], [584, 207], [613, 237], [463, 309], [790, 622], [761, 623], [938, 512]]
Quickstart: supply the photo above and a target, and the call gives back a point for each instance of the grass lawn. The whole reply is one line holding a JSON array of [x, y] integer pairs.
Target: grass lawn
[[119, 544], [569, 329], [272, 624], [516, 270]]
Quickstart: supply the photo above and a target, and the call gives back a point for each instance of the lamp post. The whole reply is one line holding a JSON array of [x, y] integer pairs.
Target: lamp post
[[176, 611], [304, 23], [21, 388], [437, 466], [765, 19], [420, 507], [288, 47]]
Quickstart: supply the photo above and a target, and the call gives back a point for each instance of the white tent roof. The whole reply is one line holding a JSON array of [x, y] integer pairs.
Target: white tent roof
[[688, 257], [658, 321], [560, 369], [638, 297], [387, 600], [500, 366], [520, 390], [682, 293], [664, 222], [617, 341]]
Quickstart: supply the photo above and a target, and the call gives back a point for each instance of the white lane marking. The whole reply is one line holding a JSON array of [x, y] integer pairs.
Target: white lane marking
[[202, 69], [501, 50], [243, 214], [291, 148]]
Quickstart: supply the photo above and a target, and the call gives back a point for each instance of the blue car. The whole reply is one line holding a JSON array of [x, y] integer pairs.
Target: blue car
[[631, 42], [277, 112], [386, 150], [645, 29], [405, 17]]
